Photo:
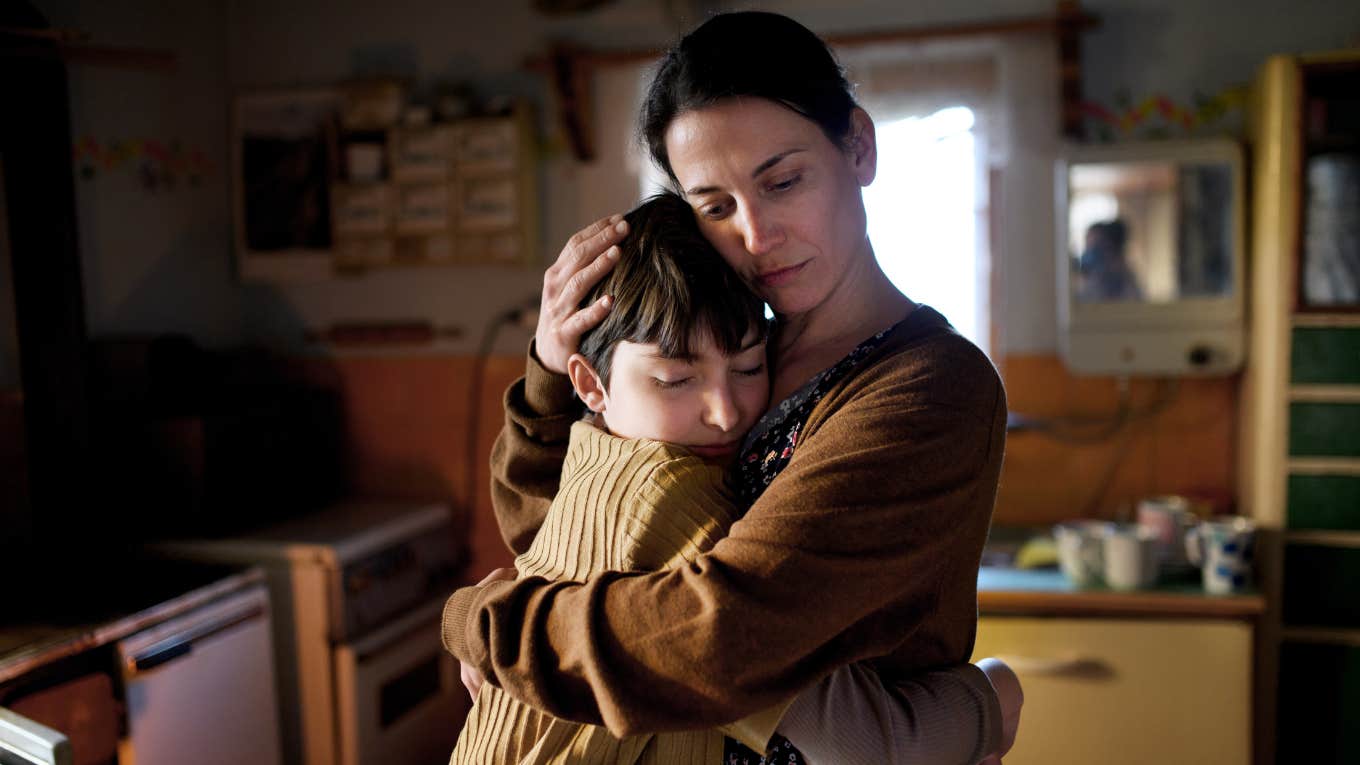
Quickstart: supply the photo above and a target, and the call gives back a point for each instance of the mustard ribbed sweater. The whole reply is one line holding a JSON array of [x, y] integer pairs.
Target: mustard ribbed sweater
[[623, 505]]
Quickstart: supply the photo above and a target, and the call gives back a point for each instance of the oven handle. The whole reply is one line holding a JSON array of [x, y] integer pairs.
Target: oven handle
[[31, 741], [182, 643]]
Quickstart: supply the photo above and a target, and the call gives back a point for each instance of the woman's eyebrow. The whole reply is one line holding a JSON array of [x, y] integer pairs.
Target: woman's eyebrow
[[762, 167]]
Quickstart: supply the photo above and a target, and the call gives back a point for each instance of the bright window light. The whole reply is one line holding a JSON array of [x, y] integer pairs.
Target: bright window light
[[923, 214]]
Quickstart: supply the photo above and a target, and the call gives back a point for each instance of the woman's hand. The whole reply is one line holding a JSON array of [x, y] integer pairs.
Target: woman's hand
[[588, 256], [472, 679]]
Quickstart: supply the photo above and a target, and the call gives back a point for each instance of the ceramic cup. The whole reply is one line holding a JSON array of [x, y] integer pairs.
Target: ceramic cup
[[1081, 554], [1169, 519], [1223, 548], [1131, 558]]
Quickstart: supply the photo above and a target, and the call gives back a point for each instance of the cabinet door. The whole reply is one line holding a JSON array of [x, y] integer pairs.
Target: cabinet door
[[1125, 691]]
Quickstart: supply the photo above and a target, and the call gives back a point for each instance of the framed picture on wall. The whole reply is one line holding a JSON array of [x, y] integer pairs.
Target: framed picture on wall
[[285, 157]]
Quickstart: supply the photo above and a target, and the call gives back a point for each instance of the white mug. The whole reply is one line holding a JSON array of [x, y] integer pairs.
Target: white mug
[[1080, 551], [1130, 558], [1223, 548]]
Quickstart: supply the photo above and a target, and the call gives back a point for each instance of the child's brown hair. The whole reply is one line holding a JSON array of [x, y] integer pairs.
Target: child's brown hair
[[669, 284]]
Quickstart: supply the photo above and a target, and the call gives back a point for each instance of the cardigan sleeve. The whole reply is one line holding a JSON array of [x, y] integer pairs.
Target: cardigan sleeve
[[865, 546], [853, 717], [526, 459]]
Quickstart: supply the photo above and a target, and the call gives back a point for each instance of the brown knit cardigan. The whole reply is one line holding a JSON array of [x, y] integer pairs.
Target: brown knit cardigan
[[865, 548]]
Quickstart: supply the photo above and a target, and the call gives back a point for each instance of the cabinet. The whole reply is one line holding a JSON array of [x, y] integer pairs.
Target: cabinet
[[1300, 454], [1130, 691]]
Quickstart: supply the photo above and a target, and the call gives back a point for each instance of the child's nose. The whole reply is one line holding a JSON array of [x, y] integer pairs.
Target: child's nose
[[721, 409]]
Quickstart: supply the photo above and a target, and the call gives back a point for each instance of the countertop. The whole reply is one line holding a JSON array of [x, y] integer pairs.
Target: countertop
[[1046, 592], [106, 606]]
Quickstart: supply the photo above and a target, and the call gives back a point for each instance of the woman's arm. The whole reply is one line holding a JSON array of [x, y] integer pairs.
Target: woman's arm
[[867, 545], [526, 460], [539, 407], [853, 717]]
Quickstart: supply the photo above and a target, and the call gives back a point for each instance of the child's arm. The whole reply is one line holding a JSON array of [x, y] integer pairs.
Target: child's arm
[[944, 717]]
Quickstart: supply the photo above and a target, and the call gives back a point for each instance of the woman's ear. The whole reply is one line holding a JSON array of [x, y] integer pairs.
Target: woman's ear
[[863, 146], [586, 382]]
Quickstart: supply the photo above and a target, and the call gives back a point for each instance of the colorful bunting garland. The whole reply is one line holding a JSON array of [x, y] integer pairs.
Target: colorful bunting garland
[[159, 164]]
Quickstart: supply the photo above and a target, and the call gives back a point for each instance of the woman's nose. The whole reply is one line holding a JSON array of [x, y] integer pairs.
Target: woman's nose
[[759, 231], [720, 409]]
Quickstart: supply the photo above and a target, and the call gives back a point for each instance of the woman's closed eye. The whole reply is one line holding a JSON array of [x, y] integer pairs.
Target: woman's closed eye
[[783, 183]]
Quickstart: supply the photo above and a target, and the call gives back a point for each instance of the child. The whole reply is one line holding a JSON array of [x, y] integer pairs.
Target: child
[[674, 376]]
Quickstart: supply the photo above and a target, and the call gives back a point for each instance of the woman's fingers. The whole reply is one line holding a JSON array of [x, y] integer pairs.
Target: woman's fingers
[[592, 240], [588, 256]]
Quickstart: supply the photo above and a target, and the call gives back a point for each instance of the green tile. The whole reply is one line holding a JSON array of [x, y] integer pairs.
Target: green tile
[[1325, 355], [1319, 703], [1320, 586], [1330, 502], [1324, 430]]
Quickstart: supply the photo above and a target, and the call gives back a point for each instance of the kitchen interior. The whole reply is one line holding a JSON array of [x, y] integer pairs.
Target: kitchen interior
[[267, 268]]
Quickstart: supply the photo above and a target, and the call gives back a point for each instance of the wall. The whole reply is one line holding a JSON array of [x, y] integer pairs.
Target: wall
[[154, 259], [161, 261]]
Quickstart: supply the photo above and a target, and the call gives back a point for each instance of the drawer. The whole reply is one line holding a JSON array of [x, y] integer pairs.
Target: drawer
[[1326, 502], [1126, 692], [1320, 586], [1319, 703], [1325, 355], [1324, 429]]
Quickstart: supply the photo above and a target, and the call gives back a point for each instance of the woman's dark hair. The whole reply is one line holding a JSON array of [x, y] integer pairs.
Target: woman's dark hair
[[749, 53], [668, 285]]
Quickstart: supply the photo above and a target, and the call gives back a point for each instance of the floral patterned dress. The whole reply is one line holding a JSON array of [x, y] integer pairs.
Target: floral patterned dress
[[765, 452]]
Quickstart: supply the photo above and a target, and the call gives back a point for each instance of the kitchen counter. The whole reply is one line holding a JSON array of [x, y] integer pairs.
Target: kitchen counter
[[105, 607], [1046, 592]]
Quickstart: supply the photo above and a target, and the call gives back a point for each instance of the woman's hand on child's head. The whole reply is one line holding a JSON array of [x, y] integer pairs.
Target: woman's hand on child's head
[[588, 256]]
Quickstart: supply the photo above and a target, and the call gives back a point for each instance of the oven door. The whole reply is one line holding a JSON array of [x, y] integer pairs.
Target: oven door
[[401, 702]]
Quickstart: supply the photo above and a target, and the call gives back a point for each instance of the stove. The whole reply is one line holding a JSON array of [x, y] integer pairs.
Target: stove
[[356, 595]]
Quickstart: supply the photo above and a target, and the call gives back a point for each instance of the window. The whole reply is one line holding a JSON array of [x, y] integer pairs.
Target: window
[[925, 222]]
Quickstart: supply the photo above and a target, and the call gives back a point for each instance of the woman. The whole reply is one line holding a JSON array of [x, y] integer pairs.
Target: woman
[[871, 481]]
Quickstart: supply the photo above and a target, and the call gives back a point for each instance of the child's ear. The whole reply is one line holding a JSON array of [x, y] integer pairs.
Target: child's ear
[[586, 382]]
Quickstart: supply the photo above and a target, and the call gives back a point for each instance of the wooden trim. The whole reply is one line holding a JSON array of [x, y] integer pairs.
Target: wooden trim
[[1149, 604], [1326, 394], [571, 69], [1065, 18], [1324, 465], [1324, 538], [1326, 320], [1321, 635]]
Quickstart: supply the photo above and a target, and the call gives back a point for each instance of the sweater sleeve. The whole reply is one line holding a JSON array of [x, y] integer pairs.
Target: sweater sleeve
[[866, 545], [526, 459], [853, 717]]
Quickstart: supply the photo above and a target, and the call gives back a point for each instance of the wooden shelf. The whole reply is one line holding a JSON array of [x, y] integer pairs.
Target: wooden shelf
[[1327, 635], [1325, 319], [1324, 538], [1324, 465], [1327, 394]]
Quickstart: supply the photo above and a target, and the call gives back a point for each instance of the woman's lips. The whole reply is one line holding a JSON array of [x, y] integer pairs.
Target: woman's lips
[[780, 276]]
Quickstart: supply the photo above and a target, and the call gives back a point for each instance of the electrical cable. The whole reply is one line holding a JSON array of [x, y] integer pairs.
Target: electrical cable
[[519, 315]]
